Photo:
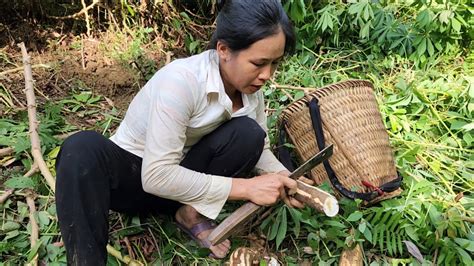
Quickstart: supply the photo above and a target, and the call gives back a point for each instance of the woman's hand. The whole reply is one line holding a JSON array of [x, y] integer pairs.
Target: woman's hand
[[267, 189], [289, 200]]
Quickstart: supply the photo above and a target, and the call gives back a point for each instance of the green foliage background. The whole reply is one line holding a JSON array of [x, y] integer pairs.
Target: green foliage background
[[416, 53]]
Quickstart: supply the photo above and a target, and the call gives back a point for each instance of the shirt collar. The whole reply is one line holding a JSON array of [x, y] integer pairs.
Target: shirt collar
[[214, 80]]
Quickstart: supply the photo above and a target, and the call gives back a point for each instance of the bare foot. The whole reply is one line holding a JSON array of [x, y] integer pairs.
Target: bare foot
[[188, 217]]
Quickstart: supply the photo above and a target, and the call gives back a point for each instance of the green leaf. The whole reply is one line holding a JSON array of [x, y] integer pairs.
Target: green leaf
[[465, 244], [299, 95], [456, 25], [421, 47], [368, 235], [275, 226], [11, 234], [444, 16], [466, 258], [430, 47], [282, 228], [364, 31], [43, 218], [362, 227], [20, 182], [354, 216], [10, 226], [296, 216], [334, 223]]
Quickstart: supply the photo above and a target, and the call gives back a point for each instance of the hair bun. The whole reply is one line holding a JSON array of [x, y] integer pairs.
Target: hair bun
[[220, 4]]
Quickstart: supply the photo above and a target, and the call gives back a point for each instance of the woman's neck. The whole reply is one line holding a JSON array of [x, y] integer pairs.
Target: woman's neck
[[236, 98], [234, 95]]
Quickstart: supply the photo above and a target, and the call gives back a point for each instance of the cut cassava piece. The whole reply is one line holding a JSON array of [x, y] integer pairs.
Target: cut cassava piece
[[317, 199]]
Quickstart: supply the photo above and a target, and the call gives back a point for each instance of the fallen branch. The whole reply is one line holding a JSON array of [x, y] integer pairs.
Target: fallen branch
[[288, 87], [33, 123], [30, 201], [80, 13], [16, 69], [6, 151], [6, 195], [468, 219], [8, 161], [11, 191]]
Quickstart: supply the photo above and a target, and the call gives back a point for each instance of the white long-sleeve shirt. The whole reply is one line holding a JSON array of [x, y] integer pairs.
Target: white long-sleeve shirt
[[184, 101]]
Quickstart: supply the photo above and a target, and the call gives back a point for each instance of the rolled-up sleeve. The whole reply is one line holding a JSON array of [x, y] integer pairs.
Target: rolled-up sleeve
[[171, 110], [267, 162]]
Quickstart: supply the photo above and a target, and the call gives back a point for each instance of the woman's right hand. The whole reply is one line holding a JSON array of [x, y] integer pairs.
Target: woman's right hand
[[264, 189]]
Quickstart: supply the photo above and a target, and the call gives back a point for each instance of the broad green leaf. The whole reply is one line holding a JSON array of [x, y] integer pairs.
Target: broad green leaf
[[465, 257], [282, 229], [20, 182], [421, 47], [465, 244], [334, 223], [362, 227], [365, 30], [368, 235], [299, 95], [430, 47], [354, 216], [456, 25], [468, 127], [275, 226], [10, 226], [11, 234], [296, 216], [43, 218], [444, 16]]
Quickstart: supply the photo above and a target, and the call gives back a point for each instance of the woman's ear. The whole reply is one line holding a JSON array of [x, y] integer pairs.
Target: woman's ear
[[223, 51]]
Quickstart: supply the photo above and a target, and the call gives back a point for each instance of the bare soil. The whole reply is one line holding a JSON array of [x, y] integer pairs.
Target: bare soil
[[85, 66]]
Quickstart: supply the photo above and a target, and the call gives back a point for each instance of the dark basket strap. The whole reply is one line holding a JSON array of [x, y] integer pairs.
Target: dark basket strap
[[318, 130], [283, 151]]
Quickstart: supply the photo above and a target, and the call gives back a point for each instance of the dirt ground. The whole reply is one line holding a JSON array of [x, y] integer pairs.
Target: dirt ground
[[63, 64]]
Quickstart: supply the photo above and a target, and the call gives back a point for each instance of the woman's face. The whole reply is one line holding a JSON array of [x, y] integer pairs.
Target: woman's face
[[247, 70]]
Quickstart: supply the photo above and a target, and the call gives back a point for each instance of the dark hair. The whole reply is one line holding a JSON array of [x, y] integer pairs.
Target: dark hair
[[240, 23]]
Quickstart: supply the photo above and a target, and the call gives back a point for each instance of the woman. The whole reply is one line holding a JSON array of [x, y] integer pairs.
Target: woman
[[187, 141]]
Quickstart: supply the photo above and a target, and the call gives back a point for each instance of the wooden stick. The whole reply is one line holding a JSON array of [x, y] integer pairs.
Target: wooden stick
[[6, 151], [80, 13], [33, 123], [13, 70], [9, 192], [305, 89], [30, 200], [6, 195]]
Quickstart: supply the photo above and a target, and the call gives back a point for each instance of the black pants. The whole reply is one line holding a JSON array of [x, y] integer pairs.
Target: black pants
[[95, 175]]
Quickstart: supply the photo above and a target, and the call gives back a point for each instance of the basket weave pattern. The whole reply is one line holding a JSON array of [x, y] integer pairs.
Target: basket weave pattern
[[353, 124]]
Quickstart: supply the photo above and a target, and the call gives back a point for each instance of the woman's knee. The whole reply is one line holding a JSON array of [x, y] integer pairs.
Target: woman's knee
[[249, 132], [80, 147]]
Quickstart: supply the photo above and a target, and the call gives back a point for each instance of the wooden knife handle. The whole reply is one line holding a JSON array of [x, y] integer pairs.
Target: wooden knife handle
[[232, 222]]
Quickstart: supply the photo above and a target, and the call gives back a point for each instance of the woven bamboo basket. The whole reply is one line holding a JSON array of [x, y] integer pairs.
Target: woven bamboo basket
[[352, 122]]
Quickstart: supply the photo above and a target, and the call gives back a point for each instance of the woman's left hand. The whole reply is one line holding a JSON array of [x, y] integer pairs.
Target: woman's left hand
[[289, 200]]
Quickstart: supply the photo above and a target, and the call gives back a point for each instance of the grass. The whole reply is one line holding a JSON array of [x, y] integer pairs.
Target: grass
[[428, 114]]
